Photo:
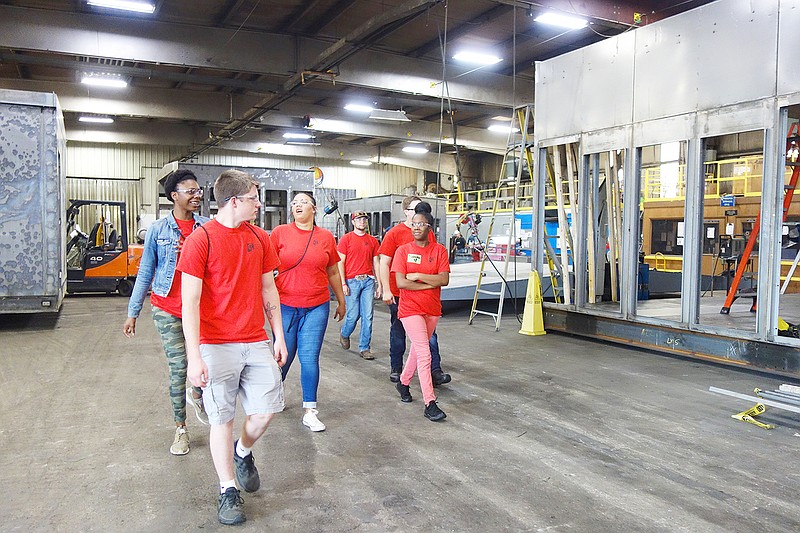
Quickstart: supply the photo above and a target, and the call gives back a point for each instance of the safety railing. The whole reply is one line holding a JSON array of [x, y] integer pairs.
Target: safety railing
[[741, 176]]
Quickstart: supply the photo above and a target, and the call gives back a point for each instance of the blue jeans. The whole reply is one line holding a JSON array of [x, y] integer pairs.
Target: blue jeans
[[303, 330], [359, 305], [397, 342]]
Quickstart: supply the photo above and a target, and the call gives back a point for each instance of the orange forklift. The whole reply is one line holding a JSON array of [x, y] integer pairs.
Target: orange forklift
[[102, 260]]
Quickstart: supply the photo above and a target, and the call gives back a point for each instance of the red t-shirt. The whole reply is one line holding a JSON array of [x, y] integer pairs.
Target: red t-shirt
[[394, 238], [359, 250], [431, 259], [305, 285], [171, 303], [230, 261]]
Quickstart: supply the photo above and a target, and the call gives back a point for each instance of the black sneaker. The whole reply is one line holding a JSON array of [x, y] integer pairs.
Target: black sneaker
[[394, 375], [433, 413], [246, 472], [231, 510], [405, 394], [439, 378]]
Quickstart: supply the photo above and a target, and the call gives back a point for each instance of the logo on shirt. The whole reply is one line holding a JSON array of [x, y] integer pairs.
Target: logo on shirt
[[414, 258], [250, 247]]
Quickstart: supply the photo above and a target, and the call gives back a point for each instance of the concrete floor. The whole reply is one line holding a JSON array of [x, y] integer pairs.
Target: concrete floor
[[544, 433]]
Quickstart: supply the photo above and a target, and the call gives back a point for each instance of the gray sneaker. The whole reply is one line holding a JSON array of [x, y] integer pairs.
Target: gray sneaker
[[231, 510], [246, 471], [197, 403]]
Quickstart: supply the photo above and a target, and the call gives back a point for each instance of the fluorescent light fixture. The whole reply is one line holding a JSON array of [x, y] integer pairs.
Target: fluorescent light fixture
[[125, 5], [562, 21], [500, 128], [302, 142], [104, 80], [268, 148], [415, 149], [500, 117], [359, 108], [477, 58], [360, 162], [290, 135], [389, 115], [96, 120]]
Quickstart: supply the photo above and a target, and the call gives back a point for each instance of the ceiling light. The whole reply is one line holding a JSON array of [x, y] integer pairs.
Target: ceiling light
[[390, 115], [477, 58], [360, 162], [303, 142], [500, 128], [125, 5], [104, 80], [415, 149], [360, 108], [500, 117], [290, 135], [562, 21], [267, 148], [96, 120]]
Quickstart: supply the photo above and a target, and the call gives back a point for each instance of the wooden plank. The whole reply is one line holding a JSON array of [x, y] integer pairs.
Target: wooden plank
[[563, 226], [612, 226]]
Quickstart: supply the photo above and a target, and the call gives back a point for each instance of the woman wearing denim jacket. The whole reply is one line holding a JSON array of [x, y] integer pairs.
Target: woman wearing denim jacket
[[162, 246]]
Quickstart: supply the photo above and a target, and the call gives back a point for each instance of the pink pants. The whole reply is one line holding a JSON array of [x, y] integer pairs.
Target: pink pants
[[419, 329]]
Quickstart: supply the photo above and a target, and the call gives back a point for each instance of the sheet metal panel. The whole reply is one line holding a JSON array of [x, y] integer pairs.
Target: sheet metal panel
[[604, 140], [32, 240], [716, 55], [735, 119], [587, 89], [664, 130], [788, 47]]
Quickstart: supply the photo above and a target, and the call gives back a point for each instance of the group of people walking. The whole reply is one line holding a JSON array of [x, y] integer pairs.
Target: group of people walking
[[213, 282]]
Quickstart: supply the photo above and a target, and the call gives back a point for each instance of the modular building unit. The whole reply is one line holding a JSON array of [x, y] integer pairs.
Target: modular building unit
[[32, 202]]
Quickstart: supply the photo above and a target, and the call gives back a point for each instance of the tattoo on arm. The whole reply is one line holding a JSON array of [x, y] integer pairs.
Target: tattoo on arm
[[270, 307]]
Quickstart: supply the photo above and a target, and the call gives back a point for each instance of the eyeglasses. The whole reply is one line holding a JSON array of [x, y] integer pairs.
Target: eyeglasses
[[253, 198], [299, 203], [420, 225], [191, 192]]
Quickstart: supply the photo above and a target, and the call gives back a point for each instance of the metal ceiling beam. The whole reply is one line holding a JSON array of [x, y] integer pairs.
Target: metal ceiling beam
[[326, 60], [461, 30], [331, 14], [299, 14], [186, 136], [225, 49], [228, 11]]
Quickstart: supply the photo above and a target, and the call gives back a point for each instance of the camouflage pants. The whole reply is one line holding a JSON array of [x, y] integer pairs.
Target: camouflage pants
[[170, 328]]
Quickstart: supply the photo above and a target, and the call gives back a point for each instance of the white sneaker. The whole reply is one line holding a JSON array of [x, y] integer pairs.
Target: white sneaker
[[197, 403], [311, 421]]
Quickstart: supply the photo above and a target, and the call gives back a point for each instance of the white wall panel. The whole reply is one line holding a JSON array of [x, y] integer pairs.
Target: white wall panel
[[719, 54], [586, 89], [788, 47]]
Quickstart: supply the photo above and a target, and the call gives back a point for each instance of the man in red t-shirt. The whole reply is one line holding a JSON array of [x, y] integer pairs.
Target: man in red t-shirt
[[394, 238], [359, 269], [227, 288]]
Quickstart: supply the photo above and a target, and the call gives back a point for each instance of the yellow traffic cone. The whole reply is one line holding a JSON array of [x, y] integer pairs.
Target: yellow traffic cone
[[533, 316]]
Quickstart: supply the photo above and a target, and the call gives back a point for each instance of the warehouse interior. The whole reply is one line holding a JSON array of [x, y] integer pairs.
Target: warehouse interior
[[621, 158]]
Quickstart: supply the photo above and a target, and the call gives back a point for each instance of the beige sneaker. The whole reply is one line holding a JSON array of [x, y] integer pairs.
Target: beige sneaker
[[368, 355], [180, 446]]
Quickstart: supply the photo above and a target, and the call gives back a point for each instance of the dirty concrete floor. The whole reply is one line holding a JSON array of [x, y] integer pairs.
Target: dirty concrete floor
[[548, 433]]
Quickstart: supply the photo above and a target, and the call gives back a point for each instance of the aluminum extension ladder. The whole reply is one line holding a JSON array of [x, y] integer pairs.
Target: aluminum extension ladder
[[521, 118]]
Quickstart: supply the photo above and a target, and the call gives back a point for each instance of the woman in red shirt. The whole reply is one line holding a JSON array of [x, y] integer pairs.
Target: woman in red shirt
[[309, 264], [421, 268]]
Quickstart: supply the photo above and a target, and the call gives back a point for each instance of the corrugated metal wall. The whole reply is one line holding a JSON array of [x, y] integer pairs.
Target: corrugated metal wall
[[108, 164]]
